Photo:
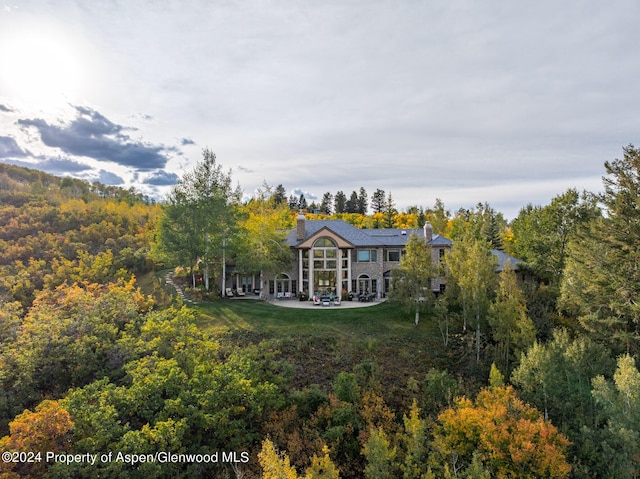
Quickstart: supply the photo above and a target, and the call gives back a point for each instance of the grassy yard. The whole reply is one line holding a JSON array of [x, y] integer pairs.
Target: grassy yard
[[382, 320], [379, 342]]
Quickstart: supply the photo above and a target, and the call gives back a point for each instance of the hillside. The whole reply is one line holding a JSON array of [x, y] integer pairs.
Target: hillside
[[92, 365], [55, 230]]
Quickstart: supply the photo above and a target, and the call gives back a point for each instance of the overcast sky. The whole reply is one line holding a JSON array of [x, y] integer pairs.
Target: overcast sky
[[467, 101]]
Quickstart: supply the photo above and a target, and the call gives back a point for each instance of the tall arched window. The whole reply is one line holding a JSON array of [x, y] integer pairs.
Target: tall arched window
[[325, 265]]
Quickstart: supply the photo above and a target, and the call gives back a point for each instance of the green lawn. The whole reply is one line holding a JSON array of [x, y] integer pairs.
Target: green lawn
[[319, 343], [383, 320]]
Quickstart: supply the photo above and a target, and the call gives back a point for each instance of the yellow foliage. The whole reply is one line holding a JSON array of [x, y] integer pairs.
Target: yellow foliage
[[506, 433], [274, 464], [44, 430]]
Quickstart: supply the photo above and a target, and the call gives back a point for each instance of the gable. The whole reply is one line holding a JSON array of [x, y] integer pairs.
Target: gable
[[325, 232]]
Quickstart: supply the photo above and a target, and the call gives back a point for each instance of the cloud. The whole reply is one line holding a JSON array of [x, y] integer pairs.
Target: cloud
[[308, 196], [9, 148], [108, 178], [5, 108], [53, 166], [161, 178], [187, 141], [92, 135]]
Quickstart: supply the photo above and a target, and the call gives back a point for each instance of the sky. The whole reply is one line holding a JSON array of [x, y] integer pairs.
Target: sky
[[503, 102]]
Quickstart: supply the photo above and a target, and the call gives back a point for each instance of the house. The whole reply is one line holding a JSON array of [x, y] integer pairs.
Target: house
[[333, 256]]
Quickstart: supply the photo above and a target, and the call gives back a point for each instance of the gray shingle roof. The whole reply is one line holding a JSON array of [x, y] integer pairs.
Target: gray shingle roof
[[504, 258], [364, 237]]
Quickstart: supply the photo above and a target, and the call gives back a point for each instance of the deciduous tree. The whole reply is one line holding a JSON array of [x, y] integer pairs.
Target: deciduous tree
[[511, 328], [412, 280], [199, 215], [275, 465], [472, 269], [542, 233], [261, 236], [509, 437]]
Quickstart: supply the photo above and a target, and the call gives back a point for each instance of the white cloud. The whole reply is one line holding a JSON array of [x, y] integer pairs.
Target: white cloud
[[504, 102]]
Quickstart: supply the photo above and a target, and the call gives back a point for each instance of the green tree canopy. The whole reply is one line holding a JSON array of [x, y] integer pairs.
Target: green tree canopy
[[200, 214], [601, 283], [542, 233], [412, 280]]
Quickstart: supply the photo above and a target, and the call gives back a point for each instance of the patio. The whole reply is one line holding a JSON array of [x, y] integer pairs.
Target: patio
[[294, 303]]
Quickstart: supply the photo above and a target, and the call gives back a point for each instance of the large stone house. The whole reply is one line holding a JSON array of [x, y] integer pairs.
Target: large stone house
[[335, 257]]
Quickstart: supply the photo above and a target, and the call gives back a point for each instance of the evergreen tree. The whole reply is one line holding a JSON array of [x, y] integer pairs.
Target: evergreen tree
[[279, 195], [378, 201], [294, 203], [340, 202], [362, 201], [352, 203], [389, 212], [327, 202], [601, 283]]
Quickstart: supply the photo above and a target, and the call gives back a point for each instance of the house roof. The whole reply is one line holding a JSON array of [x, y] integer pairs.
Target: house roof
[[504, 258], [387, 237], [363, 237]]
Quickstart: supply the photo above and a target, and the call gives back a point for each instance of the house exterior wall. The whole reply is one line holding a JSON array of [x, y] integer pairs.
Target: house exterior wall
[[312, 270]]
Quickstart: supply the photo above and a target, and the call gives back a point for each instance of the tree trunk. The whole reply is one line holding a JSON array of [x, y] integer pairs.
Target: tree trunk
[[477, 336]]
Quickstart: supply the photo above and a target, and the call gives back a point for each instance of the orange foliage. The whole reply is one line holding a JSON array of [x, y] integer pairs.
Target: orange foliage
[[44, 430], [512, 438]]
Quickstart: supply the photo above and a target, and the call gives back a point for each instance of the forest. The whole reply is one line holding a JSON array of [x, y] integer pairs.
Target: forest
[[106, 372]]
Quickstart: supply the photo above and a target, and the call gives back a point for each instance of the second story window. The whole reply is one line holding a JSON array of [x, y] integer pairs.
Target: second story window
[[367, 255], [393, 255]]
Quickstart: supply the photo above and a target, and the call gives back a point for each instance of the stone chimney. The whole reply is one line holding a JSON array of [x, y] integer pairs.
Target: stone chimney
[[301, 227], [428, 232]]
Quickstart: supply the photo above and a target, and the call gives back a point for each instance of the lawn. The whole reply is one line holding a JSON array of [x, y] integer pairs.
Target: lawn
[[319, 343], [381, 320]]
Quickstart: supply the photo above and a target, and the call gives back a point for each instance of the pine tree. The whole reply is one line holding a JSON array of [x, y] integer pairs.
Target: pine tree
[[361, 204], [352, 203], [340, 202], [378, 200], [327, 202], [601, 282]]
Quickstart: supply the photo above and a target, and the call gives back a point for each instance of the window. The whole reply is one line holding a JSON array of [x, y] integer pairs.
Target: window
[[324, 243], [367, 256], [393, 255], [325, 254]]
